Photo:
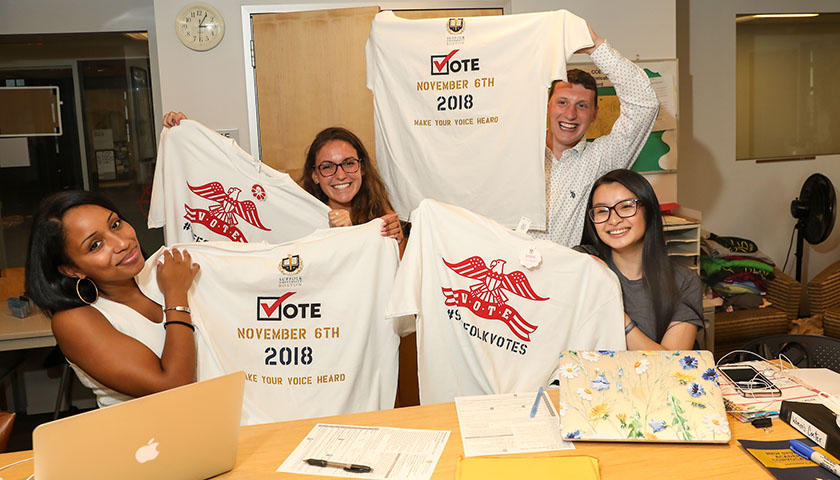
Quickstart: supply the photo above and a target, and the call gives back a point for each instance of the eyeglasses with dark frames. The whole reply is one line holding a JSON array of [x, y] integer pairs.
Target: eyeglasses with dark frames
[[624, 209], [349, 165]]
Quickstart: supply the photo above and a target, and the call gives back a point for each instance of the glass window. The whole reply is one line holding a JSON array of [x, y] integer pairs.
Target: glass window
[[108, 141], [788, 96]]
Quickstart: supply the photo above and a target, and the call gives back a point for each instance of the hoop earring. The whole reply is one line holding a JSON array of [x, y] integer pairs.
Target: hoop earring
[[80, 294]]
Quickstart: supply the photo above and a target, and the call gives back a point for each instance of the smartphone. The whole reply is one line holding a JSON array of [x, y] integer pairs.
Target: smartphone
[[749, 381]]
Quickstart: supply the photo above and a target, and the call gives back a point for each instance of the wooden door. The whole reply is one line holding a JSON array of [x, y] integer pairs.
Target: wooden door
[[310, 73], [457, 12]]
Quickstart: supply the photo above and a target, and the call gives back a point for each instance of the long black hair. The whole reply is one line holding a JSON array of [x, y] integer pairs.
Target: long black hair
[[45, 285], [657, 269]]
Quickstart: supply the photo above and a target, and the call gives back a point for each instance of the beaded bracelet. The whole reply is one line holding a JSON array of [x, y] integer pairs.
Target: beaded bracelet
[[176, 322]]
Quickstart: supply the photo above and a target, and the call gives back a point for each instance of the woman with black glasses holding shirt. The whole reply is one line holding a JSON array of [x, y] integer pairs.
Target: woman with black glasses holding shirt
[[338, 172], [662, 300]]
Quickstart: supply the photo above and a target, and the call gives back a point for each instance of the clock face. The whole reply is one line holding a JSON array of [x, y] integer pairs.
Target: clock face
[[200, 26]]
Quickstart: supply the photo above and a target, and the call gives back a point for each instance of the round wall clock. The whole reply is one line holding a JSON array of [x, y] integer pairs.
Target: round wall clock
[[200, 26]]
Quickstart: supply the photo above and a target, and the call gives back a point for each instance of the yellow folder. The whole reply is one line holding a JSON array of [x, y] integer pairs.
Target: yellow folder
[[579, 467]]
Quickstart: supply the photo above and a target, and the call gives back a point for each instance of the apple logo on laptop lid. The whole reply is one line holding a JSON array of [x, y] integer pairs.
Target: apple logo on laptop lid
[[147, 452]]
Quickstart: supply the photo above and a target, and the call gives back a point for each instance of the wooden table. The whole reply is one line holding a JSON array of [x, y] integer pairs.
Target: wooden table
[[20, 333], [262, 448]]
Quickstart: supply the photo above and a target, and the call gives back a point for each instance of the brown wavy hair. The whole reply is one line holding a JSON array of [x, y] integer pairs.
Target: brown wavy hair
[[372, 200]]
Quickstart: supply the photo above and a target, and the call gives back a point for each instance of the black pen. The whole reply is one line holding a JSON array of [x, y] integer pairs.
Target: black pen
[[349, 467]]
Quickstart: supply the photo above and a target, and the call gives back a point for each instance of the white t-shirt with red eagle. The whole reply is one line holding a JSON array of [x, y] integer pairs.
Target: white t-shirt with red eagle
[[207, 188], [486, 322], [460, 107], [304, 320]]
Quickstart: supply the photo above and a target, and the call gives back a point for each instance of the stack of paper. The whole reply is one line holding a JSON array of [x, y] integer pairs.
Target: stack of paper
[[824, 382], [747, 409], [388, 453], [502, 424], [821, 379]]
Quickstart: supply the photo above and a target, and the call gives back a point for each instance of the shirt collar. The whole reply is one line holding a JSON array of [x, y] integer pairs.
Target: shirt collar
[[578, 148]]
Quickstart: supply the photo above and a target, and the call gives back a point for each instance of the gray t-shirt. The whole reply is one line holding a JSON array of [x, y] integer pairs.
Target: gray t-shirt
[[638, 303]]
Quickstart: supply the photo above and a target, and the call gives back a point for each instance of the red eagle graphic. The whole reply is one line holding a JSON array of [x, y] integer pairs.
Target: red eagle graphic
[[494, 280], [486, 299], [229, 206]]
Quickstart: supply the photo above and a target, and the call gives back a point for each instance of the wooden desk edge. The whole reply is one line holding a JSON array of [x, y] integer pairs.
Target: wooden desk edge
[[35, 325], [262, 448]]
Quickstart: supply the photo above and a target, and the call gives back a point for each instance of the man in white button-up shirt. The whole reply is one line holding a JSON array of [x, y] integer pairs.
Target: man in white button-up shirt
[[571, 164]]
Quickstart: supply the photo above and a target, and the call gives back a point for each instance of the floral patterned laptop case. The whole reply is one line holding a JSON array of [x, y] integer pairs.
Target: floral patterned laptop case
[[656, 396]]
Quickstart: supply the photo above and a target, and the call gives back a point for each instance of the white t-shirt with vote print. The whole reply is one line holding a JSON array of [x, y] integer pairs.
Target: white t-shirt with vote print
[[207, 188], [495, 307], [304, 320], [460, 107]]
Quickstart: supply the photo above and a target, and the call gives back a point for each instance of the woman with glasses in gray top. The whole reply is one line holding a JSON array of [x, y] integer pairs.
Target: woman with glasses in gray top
[[662, 300]]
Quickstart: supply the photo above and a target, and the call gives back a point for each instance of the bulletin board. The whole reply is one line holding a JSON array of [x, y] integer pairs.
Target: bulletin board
[[660, 151]]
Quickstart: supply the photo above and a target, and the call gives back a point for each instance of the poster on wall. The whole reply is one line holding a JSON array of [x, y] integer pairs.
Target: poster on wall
[[14, 152], [106, 165], [660, 152]]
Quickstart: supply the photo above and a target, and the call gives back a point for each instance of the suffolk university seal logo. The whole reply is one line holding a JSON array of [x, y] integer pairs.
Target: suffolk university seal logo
[[222, 218], [455, 26], [487, 298], [291, 265]]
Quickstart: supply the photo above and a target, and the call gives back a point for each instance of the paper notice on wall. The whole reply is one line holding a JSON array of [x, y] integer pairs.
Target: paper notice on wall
[[103, 139], [14, 152], [664, 88], [105, 165]]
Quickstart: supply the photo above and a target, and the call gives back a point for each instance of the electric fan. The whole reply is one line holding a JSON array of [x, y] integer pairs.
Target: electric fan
[[815, 212]]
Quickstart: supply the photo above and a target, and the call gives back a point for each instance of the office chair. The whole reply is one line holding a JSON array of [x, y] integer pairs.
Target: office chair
[[804, 351], [56, 358], [7, 421]]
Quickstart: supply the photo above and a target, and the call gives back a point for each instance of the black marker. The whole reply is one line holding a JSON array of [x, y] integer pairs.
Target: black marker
[[348, 467]]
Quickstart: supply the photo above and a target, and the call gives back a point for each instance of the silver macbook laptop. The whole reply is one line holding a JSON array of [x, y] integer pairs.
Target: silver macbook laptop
[[641, 396], [189, 432]]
